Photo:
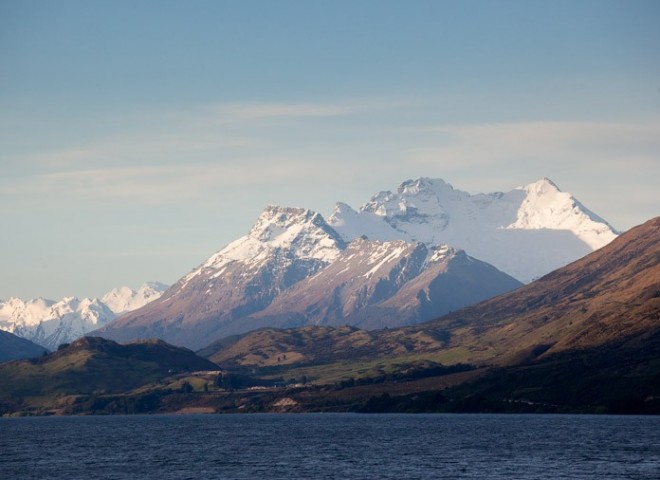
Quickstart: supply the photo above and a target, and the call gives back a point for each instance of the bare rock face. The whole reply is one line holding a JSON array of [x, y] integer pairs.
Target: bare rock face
[[375, 284]]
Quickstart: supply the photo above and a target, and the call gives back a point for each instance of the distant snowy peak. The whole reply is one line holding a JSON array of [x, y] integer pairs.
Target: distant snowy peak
[[17, 311], [51, 323], [279, 232], [91, 311], [423, 196], [526, 232], [546, 206], [125, 299]]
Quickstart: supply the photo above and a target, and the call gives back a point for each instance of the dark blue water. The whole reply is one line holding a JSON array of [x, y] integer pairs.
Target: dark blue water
[[337, 446]]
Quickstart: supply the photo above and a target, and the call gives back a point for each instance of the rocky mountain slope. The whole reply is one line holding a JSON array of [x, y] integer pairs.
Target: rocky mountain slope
[[292, 269], [609, 295], [49, 323], [545, 227], [375, 284]]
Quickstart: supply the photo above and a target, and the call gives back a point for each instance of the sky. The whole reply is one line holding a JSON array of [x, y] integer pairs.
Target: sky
[[139, 137]]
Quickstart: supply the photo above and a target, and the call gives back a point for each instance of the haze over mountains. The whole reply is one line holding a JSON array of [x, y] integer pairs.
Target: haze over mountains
[[398, 260], [49, 323]]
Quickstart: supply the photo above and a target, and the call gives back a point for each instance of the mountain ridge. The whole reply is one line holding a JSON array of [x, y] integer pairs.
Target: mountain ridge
[[286, 249], [50, 323], [376, 284], [546, 227], [232, 291]]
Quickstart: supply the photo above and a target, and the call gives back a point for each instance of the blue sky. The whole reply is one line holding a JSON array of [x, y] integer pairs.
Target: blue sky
[[139, 137]]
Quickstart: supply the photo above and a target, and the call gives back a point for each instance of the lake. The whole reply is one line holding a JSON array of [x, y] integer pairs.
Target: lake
[[331, 446]]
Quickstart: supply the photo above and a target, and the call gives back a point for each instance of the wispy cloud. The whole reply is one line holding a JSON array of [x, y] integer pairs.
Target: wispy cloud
[[612, 145], [251, 111], [164, 184], [215, 153], [188, 154]]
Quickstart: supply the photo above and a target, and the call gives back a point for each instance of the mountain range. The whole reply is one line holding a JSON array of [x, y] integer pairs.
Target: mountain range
[[402, 258], [50, 323], [584, 338]]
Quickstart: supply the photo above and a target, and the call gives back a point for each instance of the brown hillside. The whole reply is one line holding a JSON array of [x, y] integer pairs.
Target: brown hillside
[[611, 294]]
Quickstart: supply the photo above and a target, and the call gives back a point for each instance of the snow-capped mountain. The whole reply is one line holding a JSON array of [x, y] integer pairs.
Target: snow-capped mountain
[[125, 299], [284, 246], [292, 268], [298, 239], [49, 323], [526, 232]]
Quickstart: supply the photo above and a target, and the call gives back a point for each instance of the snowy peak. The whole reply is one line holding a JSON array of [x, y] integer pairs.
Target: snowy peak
[[290, 228], [351, 224], [125, 299], [545, 227], [51, 323], [284, 247], [90, 310], [279, 232], [16, 311], [546, 206], [421, 201], [425, 185]]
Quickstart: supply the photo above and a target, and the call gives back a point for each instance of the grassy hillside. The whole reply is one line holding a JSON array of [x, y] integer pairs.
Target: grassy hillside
[[93, 366]]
